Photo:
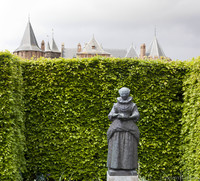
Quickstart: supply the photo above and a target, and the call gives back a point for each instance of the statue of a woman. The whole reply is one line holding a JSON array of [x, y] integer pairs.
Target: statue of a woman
[[123, 136]]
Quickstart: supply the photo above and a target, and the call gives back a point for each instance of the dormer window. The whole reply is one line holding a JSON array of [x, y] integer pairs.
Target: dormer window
[[93, 47]]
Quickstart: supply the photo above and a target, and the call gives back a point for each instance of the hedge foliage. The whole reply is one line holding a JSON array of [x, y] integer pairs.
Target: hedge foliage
[[12, 141], [191, 123], [67, 103], [64, 105]]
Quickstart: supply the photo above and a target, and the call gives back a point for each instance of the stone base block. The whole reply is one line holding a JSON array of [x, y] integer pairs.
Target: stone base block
[[121, 178]]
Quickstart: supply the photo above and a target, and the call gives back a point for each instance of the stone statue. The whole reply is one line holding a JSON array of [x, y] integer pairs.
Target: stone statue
[[123, 136]]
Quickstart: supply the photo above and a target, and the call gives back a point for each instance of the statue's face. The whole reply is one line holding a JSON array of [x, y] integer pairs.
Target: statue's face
[[124, 95]]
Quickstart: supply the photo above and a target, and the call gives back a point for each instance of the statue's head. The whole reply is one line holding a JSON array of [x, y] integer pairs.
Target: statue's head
[[124, 93]]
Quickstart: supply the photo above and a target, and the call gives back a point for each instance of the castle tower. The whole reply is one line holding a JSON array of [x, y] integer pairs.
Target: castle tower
[[52, 51], [48, 52], [55, 52], [29, 47]]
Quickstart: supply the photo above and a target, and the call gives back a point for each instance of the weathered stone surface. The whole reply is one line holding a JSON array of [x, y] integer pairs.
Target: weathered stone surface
[[122, 172], [121, 178], [123, 134]]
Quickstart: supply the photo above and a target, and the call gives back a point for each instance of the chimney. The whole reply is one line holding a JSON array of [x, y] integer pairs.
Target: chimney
[[142, 51], [62, 49], [43, 45], [79, 47]]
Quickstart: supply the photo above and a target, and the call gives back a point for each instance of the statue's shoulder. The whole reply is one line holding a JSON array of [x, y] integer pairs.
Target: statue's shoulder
[[134, 105], [115, 105]]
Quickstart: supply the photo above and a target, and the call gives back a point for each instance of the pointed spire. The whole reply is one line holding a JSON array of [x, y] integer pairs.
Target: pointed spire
[[155, 49], [131, 53], [54, 47], [52, 33], [48, 49], [29, 41]]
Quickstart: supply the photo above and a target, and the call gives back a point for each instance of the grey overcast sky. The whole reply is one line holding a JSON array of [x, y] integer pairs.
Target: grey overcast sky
[[114, 23]]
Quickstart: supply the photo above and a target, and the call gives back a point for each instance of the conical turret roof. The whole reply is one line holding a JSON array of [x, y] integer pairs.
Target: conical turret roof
[[29, 42], [54, 47], [47, 48], [155, 49], [131, 53]]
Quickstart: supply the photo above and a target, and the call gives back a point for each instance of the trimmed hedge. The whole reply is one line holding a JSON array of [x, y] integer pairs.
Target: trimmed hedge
[[12, 141], [191, 123], [67, 103]]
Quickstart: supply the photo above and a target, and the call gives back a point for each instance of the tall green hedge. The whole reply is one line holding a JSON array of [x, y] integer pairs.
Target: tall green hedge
[[67, 103], [191, 123], [12, 141]]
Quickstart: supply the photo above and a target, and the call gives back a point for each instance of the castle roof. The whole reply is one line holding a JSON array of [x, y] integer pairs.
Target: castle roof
[[131, 53], [155, 49], [69, 52], [47, 48], [93, 47], [54, 47], [120, 53], [29, 42]]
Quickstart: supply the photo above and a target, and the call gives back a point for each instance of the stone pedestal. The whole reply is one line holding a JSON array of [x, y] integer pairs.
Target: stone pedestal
[[121, 178]]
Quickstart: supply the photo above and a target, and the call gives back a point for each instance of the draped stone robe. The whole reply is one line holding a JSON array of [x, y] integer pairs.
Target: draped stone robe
[[123, 136]]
